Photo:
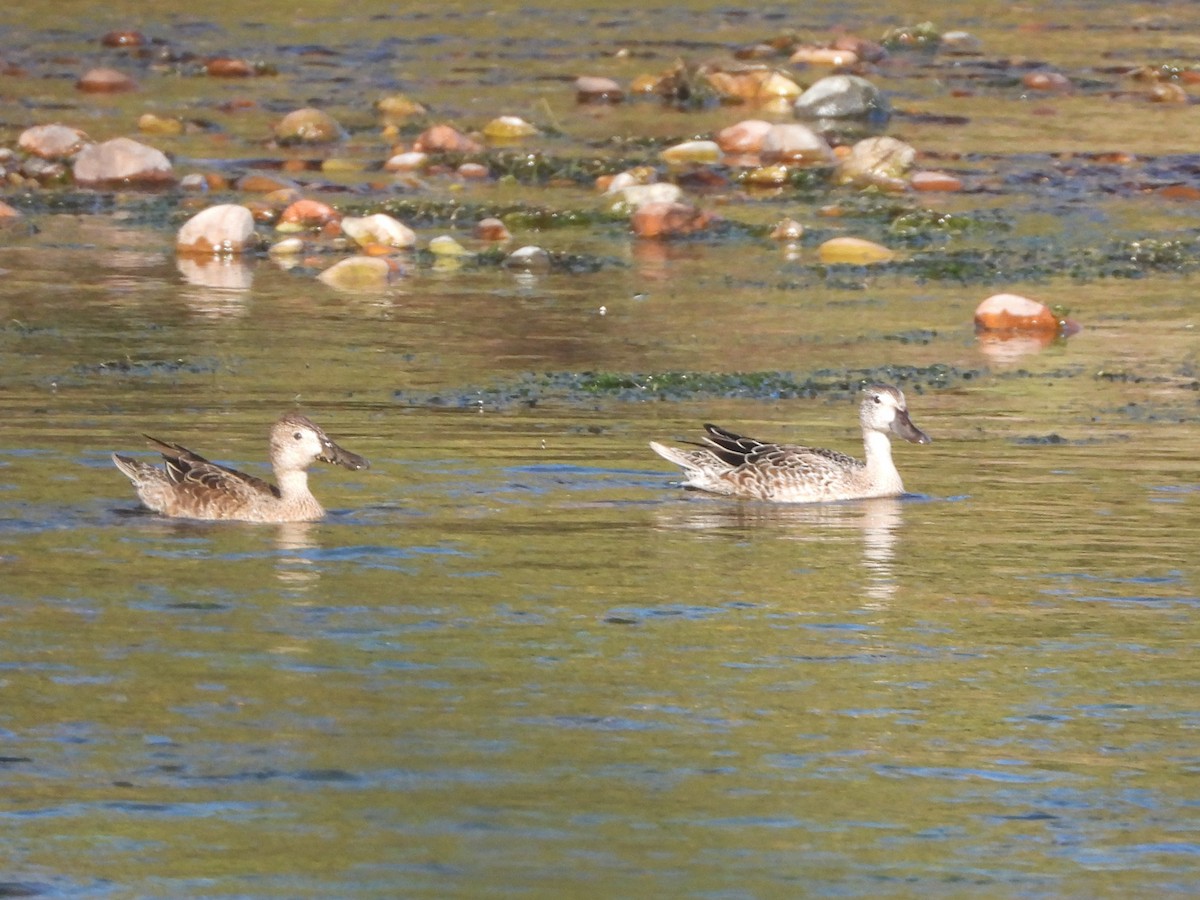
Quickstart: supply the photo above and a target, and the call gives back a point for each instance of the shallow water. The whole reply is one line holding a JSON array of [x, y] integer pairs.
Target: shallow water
[[515, 660]]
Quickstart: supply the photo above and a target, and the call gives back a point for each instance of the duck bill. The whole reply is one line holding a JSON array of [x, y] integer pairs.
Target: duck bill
[[903, 427], [339, 457]]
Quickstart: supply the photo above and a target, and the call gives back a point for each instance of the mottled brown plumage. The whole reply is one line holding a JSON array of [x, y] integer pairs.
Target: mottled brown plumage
[[189, 486], [732, 465]]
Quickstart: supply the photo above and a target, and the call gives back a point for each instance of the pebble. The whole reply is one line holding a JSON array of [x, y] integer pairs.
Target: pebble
[[843, 97], [122, 160], [446, 139], [880, 162], [853, 251], [529, 259], [225, 228], [445, 246], [359, 273], [303, 214], [308, 126], [823, 56], [508, 128], [597, 89], [935, 182], [491, 229], [743, 137], [52, 141], [692, 152], [796, 144], [407, 161], [224, 67], [660, 220], [105, 81], [380, 229]]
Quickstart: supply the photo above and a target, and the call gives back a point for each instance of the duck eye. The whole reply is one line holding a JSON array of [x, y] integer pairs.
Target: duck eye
[[297, 435], [877, 398]]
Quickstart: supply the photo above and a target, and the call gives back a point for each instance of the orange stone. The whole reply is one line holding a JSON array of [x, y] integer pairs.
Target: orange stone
[[1046, 81], [935, 182], [1012, 312], [223, 67], [309, 213], [660, 219], [1180, 192], [491, 229], [123, 39], [446, 139]]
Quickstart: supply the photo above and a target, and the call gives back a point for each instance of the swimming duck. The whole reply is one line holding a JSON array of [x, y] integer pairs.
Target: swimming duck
[[743, 467], [191, 487]]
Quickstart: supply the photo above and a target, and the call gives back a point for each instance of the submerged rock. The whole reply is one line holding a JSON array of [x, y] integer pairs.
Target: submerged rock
[[529, 259], [843, 97], [660, 220], [445, 139], [597, 89], [105, 81], [359, 273], [853, 251], [935, 182], [122, 160], [225, 228], [1014, 313], [880, 162], [508, 128], [308, 126]]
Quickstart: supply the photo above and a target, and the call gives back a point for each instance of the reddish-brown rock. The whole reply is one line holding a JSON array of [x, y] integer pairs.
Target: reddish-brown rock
[[659, 220], [1012, 312], [445, 139], [105, 81], [934, 182]]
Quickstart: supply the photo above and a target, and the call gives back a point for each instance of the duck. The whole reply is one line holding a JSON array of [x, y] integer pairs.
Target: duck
[[749, 469], [188, 486]]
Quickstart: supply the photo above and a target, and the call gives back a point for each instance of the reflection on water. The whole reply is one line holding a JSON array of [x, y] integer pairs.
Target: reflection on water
[[221, 273], [293, 566], [875, 521]]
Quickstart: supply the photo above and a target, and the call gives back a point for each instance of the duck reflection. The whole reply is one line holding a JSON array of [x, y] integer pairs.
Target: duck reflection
[[293, 565], [877, 519]]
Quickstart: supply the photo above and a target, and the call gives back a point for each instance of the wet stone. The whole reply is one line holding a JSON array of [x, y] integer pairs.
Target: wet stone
[[843, 97], [308, 126], [122, 160], [52, 141], [225, 228], [105, 81]]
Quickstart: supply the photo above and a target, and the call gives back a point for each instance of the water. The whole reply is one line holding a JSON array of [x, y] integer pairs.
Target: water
[[515, 660]]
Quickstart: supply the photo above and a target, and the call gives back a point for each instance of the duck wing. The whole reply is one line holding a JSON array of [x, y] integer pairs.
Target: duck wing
[[738, 450], [192, 473]]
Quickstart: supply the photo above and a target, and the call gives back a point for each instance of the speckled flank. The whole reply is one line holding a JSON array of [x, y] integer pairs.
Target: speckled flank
[[188, 486], [732, 465]]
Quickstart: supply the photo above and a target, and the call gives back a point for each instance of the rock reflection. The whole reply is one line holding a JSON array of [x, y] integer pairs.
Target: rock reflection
[[878, 520], [222, 273], [294, 567], [1007, 349]]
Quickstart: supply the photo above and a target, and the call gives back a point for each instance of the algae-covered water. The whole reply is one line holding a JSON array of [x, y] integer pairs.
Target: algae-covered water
[[515, 659]]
